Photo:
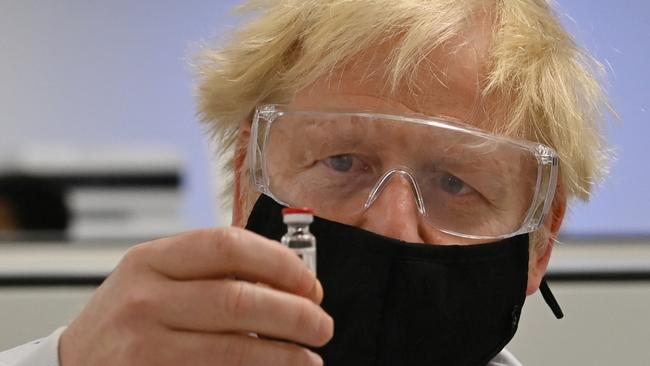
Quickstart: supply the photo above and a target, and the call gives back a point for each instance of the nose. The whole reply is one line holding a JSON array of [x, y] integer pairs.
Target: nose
[[393, 210]]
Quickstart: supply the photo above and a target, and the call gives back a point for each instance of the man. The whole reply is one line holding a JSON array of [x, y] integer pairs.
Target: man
[[437, 142]]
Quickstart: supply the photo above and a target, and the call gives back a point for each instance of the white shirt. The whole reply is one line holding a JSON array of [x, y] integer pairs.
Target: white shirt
[[45, 352], [41, 352]]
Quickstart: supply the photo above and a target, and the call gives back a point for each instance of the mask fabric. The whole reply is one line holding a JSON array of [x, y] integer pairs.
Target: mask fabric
[[397, 303]]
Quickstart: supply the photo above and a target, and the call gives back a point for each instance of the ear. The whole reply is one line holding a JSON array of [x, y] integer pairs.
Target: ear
[[243, 136], [541, 252]]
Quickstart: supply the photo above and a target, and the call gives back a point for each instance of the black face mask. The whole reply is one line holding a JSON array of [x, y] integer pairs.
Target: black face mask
[[396, 303]]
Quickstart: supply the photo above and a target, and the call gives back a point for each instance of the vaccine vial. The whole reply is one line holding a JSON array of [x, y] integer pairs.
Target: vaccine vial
[[298, 238]]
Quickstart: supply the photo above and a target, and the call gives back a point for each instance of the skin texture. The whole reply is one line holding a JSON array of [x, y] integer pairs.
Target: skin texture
[[196, 297]]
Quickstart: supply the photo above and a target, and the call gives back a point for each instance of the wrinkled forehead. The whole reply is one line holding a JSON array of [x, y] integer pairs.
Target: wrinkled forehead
[[391, 139], [446, 83]]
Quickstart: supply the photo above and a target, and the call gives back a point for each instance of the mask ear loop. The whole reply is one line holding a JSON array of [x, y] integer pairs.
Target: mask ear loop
[[550, 299]]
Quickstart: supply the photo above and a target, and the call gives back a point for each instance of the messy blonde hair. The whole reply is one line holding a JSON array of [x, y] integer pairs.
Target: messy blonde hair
[[548, 82]]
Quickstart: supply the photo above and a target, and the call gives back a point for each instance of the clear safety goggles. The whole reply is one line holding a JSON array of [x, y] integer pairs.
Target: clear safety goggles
[[465, 181]]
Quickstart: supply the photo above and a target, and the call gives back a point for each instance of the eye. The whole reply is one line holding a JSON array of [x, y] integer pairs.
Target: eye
[[454, 185], [340, 163]]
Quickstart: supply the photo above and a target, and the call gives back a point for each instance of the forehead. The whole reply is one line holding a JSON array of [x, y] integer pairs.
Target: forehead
[[445, 83]]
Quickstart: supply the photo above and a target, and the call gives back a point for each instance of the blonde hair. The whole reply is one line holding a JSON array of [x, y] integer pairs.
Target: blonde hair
[[548, 82]]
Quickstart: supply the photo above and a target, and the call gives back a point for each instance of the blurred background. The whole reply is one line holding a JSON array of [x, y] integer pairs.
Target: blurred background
[[100, 148], [97, 97]]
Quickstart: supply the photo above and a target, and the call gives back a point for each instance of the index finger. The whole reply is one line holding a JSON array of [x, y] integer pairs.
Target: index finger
[[231, 251]]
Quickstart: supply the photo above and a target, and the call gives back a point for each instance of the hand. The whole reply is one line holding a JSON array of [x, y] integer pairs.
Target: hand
[[194, 299]]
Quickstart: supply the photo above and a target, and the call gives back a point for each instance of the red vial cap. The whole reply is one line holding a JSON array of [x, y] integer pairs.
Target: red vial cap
[[297, 210]]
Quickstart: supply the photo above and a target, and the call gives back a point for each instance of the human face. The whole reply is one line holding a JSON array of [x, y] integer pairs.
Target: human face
[[448, 85]]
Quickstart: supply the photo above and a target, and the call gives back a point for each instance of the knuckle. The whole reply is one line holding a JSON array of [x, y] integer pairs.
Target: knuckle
[[291, 270], [137, 304], [136, 256], [225, 242], [239, 300], [305, 316]]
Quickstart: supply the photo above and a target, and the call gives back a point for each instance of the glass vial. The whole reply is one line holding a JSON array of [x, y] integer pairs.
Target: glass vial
[[298, 238]]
